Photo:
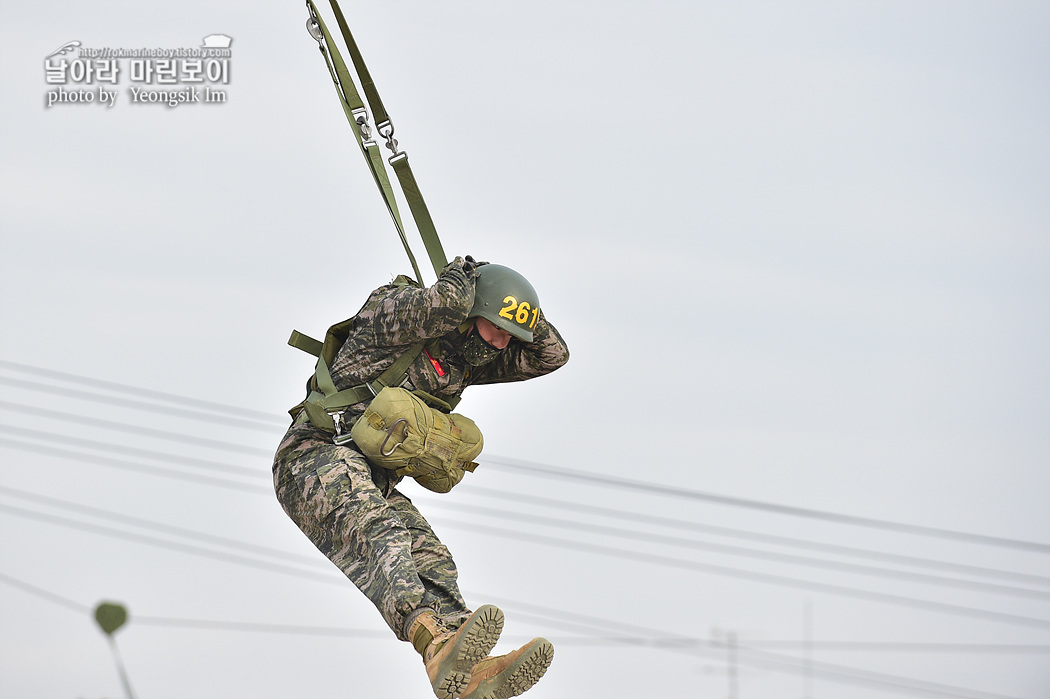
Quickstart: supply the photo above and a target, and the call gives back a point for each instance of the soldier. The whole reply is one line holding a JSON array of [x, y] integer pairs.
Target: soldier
[[479, 323]]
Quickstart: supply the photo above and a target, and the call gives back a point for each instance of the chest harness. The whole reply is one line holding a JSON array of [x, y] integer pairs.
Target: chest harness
[[325, 404], [411, 433]]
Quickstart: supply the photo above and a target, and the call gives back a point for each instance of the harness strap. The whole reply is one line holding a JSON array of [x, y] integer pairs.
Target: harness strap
[[305, 343], [420, 212], [356, 114], [378, 110], [325, 402], [396, 372], [334, 398], [399, 160]]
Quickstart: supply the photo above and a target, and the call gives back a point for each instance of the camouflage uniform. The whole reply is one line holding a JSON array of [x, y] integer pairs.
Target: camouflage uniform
[[350, 509]]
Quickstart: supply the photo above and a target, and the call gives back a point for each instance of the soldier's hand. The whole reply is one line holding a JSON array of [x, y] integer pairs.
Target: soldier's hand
[[470, 264]]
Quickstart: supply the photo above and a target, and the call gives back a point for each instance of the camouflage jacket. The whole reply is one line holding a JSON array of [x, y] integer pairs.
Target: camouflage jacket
[[397, 316]]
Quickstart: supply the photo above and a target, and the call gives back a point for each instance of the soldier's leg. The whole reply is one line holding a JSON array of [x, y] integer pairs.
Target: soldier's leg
[[327, 490], [434, 564], [480, 677], [329, 493], [500, 676]]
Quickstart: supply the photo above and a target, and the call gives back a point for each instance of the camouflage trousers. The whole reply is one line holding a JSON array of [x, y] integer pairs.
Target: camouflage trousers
[[352, 513]]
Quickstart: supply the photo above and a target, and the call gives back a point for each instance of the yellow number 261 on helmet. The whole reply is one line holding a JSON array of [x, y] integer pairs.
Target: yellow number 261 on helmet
[[507, 299]]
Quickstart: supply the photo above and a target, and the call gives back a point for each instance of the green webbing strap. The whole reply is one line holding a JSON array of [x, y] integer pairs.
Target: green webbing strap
[[323, 379], [353, 106], [392, 376], [331, 397], [395, 373], [326, 397], [369, 87], [420, 213], [399, 161], [305, 343]]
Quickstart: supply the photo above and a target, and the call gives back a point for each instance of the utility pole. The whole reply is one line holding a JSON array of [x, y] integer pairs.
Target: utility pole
[[731, 670], [807, 635], [110, 617]]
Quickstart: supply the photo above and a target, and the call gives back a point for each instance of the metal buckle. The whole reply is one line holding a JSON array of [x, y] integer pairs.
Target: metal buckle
[[339, 438], [360, 116]]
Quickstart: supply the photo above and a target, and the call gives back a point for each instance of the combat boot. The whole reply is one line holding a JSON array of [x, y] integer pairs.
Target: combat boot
[[510, 675], [450, 655]]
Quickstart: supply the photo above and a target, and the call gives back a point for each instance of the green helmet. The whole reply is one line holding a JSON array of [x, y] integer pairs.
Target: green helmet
[[505, 298]]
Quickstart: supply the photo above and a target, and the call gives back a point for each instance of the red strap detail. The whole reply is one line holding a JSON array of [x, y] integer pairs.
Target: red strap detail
[[437, 367]]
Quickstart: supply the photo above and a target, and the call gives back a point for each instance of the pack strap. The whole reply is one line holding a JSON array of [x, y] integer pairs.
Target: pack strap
[[399, 160]]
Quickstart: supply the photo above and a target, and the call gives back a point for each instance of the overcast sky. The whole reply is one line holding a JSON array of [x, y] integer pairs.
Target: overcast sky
[[800, 252]]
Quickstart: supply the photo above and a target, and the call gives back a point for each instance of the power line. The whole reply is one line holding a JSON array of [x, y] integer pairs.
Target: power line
[[44, 594], [545, 501], [138, 431], [131, 451], [576, 525], [159, 527], [772, 661], [256, 627], [130, 466], [167, 472], [679, 524], [67, 393], [654, 641], [138, 391], [80, 456], [827, 646], [560, 472], [752, 656], [963, 533], [904, 646], [864, 646], [752, 576], [533, 468], [732, 550], [224, 556], [660, 560], [589, 548]]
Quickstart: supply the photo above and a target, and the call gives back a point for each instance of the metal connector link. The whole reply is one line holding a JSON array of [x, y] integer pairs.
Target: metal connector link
[[386, 130], [360, 116], [339, 438]]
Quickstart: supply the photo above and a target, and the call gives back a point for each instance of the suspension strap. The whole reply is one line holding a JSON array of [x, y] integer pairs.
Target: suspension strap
[[358, 117], [420, 213], [367, 84]]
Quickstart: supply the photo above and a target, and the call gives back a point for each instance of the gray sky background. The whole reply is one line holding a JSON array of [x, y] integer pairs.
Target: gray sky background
[[799, 251]]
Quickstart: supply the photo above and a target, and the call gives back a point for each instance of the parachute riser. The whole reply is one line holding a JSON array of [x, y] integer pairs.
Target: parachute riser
[[357, 115]]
